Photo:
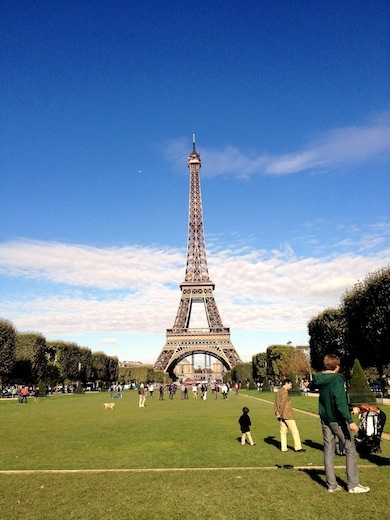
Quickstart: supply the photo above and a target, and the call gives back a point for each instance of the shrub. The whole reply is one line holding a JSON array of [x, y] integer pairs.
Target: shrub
[[359, 390]]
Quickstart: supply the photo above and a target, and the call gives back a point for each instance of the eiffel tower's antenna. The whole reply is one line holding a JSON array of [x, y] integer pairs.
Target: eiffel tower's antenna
[[193, 143]]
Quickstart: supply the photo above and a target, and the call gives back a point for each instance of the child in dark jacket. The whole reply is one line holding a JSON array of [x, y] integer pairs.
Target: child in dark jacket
[[245, 424]]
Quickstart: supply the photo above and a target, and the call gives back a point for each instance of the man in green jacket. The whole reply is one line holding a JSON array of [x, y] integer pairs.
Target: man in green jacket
[[336, 421]]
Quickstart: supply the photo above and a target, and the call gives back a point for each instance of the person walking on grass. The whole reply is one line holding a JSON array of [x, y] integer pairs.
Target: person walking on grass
[[141, 396], [285, 415], [161, 392], [336, 421], [245, 425]]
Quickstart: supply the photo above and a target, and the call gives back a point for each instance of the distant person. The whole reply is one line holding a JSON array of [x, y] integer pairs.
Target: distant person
[[245, 425], [161, 392], [24, 394], [225, 391], [151, 390], [141, 396], [336, 421], [36, 394], [195, 391], [285, 415]]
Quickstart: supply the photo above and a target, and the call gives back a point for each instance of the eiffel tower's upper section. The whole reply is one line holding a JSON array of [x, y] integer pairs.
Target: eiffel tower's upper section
[[196, 269]]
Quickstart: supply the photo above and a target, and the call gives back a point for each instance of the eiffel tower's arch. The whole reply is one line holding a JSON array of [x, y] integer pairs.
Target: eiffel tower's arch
[[216, 345], [183, 341]]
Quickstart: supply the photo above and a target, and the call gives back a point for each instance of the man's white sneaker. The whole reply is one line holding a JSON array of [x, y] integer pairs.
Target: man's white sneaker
[[334, 490], [359, 489]]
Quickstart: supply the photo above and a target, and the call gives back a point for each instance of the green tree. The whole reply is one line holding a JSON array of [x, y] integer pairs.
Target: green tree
[[259, 366], [327, 336], [242, 372], [113, 368], [101, 367], [7, 348], [359, 390], [275, 357], [367, 310], [67, 359], [52, 374], [142, 373], [294, 389], [266, 386], [30, 358], [86, 371]]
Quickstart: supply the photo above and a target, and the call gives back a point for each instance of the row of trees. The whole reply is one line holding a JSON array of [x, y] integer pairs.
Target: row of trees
[[142, 373], [27, 358], [358, 329]]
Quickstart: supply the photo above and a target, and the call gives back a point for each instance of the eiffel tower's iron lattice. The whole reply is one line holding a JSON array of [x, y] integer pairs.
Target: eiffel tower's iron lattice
[[182, 341]]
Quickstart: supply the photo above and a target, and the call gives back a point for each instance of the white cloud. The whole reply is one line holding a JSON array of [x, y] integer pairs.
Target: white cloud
[[87, 266], [255, 290], [340, 146], [108, 341]]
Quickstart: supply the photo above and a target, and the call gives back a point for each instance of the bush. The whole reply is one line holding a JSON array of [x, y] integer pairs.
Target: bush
[[79, 388], [359, 390], [266, 387], [294, 390]]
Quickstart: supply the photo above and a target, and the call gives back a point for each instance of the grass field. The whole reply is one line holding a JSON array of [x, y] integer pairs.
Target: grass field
[[66, 456]]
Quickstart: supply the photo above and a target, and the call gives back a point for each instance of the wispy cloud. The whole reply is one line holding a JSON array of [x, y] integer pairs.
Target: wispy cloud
[[87, 266], [255, 289], [340, 146]]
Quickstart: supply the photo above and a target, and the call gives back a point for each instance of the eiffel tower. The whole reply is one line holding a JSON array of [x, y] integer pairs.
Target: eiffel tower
[[182, 341]]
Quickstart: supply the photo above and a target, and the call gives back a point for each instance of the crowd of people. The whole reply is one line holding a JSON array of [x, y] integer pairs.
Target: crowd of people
[[197, 390]]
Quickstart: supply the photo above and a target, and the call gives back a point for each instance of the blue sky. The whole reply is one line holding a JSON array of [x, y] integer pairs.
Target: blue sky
[[290, 105]]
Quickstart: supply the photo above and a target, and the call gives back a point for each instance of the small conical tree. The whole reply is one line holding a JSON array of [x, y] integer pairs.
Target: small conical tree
[[266, 387], [359, 390], [294, 390]]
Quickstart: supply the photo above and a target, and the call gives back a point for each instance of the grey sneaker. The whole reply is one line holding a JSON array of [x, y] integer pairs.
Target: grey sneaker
[[359, 489], [334, 490]]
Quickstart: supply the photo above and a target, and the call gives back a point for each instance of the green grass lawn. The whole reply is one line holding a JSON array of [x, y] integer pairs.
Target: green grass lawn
[[171, 460]]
